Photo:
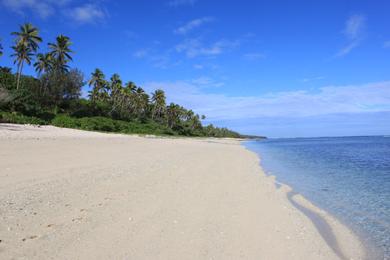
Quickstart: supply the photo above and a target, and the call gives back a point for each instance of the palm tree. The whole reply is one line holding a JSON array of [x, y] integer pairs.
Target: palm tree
[[60, 52], [27, 40], [28, 36], [131, 86], [173, 115], [99, 85], [141, 103], [116, 91], [158, 103], [44, 63], [22, 54]]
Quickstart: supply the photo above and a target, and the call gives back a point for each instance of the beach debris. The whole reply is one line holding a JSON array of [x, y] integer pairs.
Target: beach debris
[[30, 237]]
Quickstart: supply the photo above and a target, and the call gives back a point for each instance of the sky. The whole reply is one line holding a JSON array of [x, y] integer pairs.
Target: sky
[[274, 68]]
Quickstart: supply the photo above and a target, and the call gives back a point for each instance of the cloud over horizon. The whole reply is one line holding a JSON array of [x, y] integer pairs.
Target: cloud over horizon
[[371, 97], [329, 111]]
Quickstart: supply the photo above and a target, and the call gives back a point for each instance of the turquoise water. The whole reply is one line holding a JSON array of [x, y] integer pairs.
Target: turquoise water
[[347, 176]]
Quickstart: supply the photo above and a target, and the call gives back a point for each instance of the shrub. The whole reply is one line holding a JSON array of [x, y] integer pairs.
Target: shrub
[[16, 118]]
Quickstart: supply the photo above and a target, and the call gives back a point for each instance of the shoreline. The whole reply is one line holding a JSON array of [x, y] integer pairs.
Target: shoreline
[[320, 217], [75, 194], [323, 221]]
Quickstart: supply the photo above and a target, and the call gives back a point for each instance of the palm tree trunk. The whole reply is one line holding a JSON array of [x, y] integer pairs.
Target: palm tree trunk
[[19, 75]]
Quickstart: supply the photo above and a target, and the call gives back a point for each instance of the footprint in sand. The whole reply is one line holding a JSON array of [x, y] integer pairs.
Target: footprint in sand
[[77, 219]]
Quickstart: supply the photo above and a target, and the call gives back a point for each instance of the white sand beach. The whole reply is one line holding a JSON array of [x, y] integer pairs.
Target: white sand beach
[[70, 194]]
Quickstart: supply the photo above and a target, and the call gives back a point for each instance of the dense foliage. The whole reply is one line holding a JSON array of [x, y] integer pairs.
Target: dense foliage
[[53, 96]]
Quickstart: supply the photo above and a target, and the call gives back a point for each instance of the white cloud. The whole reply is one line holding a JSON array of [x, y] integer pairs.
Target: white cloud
[[254, 56], [141, 53], [193, 24], [42, 8], [354, 26], [176, 3], [194, 47], [312, 79], [353, 31], [88, 13], [386, 44], [372, 97], [206, 82]]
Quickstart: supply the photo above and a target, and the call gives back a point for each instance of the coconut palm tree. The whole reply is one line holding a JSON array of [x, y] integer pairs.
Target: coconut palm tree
[[141, 103], [99, 84], [158, 104], [116, 93], [44, 63], [28, 36], [173, 115], [22, 54], [60, 52], [27, 42]]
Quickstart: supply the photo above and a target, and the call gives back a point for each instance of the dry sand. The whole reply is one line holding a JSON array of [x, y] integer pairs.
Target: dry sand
[[69, 194]]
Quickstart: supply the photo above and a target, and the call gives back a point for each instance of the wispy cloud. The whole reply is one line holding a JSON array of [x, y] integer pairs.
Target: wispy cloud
[[81, 14], [312, 79], [41, 8], [386, 44], [176, 3], [87, 13], [193, 24], [206, 82], [142, 53], [156, 58], [253, 56], [198, 66], [195, 47], [353, 31], [372, 97]]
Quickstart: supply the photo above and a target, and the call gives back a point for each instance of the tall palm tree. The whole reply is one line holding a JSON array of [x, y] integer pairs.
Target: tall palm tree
[[141, 103], [28, 36], [158, 103], [27, 41], [98, 83], [22, 54], [60, 52], [116, 93], [131, 86], [44, 63], [173, 115]]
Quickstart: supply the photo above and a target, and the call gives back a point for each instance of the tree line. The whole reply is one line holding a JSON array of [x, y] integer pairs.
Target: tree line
[[55, 92]]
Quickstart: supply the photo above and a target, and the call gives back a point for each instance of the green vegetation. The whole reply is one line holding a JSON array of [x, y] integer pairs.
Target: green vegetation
[[53, 96]]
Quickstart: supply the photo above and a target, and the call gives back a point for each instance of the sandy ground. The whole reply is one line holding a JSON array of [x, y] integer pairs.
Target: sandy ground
[[69, 194]]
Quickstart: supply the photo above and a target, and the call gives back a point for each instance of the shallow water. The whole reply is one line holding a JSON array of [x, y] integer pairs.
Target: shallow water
[[347, 176]]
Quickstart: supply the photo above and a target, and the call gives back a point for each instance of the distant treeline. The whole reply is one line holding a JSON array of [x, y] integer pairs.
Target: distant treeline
[[54, 95]]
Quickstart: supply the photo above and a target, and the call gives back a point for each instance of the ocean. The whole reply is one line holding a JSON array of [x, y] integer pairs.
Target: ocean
[[347, 176]]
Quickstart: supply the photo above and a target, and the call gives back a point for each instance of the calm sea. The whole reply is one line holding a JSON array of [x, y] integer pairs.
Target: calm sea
[[347, 176]]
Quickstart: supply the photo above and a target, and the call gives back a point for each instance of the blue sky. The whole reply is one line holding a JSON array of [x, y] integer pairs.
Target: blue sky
[[276, 68]]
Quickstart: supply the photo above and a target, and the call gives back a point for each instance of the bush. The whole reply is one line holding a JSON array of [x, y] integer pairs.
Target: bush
[[16, 118], [65, 121]]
